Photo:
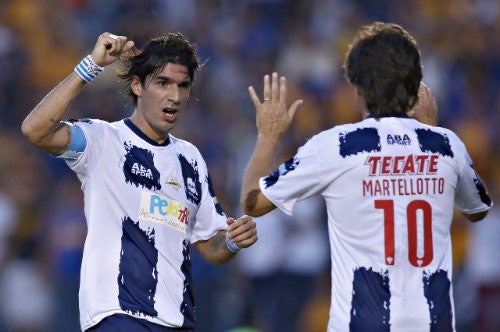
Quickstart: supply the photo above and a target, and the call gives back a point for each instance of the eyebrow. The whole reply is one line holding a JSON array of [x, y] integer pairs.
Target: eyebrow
[[168, 79]]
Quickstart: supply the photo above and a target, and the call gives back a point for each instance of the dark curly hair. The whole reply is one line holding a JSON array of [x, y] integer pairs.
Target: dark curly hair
[[384, 62], [154, 55]]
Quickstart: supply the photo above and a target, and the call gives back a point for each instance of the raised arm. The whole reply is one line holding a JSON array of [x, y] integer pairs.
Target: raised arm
[[42, 125], [426, 110], [273, 121]]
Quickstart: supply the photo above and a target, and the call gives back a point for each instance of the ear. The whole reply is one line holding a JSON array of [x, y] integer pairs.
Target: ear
[[136, 86]]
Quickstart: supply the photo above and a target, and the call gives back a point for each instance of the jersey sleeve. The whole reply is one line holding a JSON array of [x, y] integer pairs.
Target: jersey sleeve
[[210, 217], [91, 131], [294, 180], [471, 195]]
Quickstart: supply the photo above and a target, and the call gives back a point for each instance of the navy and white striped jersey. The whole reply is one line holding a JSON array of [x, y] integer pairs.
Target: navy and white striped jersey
[[390, 187], [144, 204]]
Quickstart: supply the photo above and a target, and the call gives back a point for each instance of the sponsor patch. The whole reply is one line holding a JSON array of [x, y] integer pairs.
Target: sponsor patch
[[162, 210]]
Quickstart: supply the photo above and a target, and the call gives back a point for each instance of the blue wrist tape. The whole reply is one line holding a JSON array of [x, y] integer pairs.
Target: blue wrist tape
[[231, 246]]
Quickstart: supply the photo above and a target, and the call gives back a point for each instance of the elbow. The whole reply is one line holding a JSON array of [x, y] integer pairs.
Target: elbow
[[475, 217], [26, 128], [250, 210], [37, 137], [29, 132], [248, 206], [255, 204]]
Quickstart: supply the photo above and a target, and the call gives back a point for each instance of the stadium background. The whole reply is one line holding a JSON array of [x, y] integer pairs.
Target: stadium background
[[282, 283]]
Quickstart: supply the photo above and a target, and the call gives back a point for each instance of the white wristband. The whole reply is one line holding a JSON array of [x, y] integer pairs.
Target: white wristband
[[87, 69]]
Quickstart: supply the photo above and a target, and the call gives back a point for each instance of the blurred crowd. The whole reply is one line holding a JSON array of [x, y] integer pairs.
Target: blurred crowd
[[281, 284]]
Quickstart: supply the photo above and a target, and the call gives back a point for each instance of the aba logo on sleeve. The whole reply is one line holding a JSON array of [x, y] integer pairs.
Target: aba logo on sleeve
[[139, 168]]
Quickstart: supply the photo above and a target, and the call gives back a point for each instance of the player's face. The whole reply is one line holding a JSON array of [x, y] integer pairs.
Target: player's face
[[160, 100]]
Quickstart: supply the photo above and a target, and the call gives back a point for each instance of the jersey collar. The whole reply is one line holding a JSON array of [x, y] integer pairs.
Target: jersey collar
[[402, 115], [139, 133]]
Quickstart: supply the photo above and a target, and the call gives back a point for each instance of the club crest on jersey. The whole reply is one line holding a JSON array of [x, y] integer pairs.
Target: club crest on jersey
[[162, 210], [398, 139], [173, 183]]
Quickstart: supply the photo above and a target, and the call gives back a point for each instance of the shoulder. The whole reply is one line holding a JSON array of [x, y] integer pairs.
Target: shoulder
[[439, 139], [90, 124], [340, 132], [184, 147]]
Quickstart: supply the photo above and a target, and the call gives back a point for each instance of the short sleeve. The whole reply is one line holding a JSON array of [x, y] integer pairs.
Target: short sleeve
[[294, 180], [94, 132], [471, 195], [210, 218]]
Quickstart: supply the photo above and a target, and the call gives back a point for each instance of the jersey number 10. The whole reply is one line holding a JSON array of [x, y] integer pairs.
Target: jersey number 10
[[411, 219]]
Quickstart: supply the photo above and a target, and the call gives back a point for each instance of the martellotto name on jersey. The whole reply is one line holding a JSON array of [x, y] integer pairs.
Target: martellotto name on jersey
[[410, 175]]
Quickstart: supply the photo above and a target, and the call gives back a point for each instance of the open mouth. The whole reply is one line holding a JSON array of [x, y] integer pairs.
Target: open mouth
[[170, 114]]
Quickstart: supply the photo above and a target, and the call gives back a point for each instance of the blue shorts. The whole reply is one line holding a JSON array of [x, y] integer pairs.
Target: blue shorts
[[122, 322]]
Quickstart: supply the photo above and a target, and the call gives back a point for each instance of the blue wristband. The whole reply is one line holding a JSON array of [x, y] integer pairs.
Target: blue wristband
[[231, 246], [87, 69]]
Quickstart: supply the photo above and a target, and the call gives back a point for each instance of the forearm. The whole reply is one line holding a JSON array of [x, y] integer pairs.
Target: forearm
[[215, 250], [259, 165], [41, 123]]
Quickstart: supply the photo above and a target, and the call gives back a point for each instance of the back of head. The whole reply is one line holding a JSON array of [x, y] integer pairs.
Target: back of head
[[154, 55], [384, 62]]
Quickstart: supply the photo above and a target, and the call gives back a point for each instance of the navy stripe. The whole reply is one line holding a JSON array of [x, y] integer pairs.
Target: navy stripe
[[138, 275], [187, 307], [433, 142], [360, 140], [437, 292], [370, 305]]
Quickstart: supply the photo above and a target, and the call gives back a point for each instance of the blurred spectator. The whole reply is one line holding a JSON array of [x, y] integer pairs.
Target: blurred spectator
[[41, 40], [63, 231], [26, 298], [482, 270], [285, 267]]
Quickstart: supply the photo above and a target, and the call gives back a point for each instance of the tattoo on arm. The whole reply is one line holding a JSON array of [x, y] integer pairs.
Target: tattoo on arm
[[218, 242]]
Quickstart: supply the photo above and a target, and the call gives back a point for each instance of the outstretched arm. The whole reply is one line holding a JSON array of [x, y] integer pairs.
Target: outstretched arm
[[241, 233], [273, 121], [42, 125]]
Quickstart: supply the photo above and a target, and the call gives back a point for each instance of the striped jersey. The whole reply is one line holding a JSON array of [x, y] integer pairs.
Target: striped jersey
[[145, 203], [390, 188]]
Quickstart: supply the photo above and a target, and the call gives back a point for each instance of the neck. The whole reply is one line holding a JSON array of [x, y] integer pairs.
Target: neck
[[140, 122]]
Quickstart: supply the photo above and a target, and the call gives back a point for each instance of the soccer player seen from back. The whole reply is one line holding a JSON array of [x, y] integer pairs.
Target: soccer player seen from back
[[390, 184], [148, 195]]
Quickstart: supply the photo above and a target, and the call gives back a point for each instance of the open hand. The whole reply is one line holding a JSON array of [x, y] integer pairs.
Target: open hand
[[273, 116]]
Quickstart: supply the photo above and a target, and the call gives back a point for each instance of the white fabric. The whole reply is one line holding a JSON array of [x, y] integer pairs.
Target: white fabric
[[125, 175], [420, 169]]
